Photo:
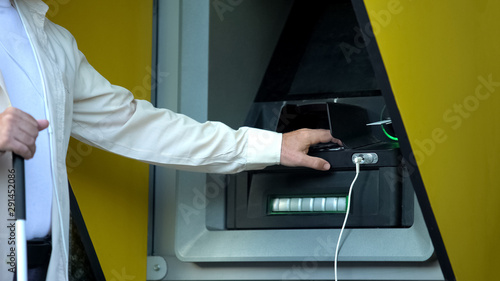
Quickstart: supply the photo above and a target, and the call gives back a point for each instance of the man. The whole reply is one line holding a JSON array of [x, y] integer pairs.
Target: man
[[49, 92]]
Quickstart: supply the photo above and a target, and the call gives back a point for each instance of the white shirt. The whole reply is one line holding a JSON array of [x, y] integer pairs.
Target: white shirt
[[23, 82]]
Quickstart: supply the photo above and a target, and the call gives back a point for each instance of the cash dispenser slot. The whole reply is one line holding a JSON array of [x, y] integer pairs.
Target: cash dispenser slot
[[379, 199]]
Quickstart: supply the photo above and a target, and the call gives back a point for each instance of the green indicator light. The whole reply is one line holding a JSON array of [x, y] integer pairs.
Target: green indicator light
[[383, 129], [387, 134]]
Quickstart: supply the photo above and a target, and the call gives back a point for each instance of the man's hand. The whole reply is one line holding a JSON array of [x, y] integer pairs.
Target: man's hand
[[18, 132], [295, 146]]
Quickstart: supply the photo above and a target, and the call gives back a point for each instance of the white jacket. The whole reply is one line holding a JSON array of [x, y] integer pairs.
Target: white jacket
[[82, 104]]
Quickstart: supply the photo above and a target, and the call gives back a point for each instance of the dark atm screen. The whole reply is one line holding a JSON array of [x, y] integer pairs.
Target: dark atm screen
[[320, 54]]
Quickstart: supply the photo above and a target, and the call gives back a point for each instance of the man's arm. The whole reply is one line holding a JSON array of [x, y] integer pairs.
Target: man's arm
[[18, 132], [295, 146], [109, 117]]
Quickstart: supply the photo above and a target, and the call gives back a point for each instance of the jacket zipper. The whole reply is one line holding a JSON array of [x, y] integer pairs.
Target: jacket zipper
[[50, 130]]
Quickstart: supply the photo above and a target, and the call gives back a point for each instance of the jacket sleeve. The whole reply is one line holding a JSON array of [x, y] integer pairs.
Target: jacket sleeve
[[108, 117]]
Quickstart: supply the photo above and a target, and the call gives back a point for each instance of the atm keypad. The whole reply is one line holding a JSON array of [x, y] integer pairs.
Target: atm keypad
[[331, 204]]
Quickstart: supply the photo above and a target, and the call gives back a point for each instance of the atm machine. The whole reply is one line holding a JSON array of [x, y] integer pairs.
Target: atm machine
[[284, 65]]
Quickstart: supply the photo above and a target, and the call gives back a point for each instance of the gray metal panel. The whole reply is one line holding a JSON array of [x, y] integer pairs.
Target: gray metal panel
[[152, 168], [304, 270], [196, 243], [193, 67], [167, 87]]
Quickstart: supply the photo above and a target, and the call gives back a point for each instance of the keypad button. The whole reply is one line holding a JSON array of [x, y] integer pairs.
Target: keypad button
[[307, 204], [331, 204], [275, 205], [295, 204], [319, 204], [284, 205], [342, 204]]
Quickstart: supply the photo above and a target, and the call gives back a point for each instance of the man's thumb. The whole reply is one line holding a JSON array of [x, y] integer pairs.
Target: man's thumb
[[42, 124], [316, 163]]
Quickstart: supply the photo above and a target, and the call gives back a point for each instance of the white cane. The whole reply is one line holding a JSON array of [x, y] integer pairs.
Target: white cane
[[21, 245]]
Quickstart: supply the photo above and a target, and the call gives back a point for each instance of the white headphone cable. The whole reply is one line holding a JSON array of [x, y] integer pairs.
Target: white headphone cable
[[357, 160]]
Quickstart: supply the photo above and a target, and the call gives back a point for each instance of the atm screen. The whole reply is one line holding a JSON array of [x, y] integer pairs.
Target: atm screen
[[320, 53]]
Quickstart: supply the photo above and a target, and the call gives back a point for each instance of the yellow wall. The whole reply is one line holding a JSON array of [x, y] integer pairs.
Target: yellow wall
[[112, 191], [438, 55]]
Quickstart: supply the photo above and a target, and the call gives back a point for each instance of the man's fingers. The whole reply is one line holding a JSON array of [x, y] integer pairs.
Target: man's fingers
[[20, 148], [26, 152], [296, 144], [42, 124], [21, 116], [24, 143], [320, 136], [337, 141], [317, 136], [18, 132], [20, 121], [315, 163]]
